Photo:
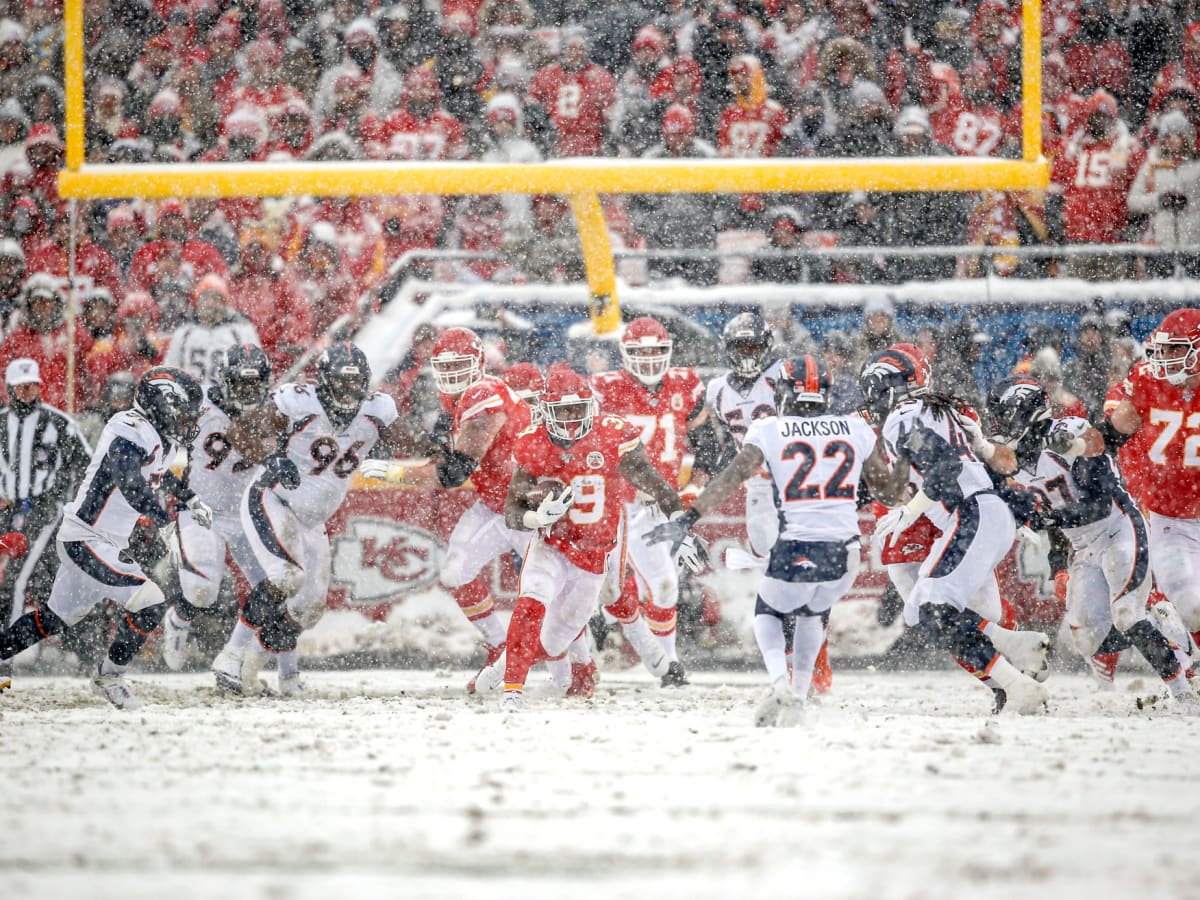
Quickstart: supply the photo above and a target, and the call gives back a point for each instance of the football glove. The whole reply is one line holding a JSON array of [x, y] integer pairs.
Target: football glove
[[550, 510], [200, 511], [693, 554], [675, 531], [278, 469]]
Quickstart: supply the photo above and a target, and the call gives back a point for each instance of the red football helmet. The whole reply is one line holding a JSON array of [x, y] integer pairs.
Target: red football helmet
[[457, 360], [646, 348], [528, 383], [568, 406], [1173, 350]]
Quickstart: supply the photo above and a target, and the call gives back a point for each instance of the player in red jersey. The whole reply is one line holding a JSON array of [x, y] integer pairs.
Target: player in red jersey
[[578, 553], [1159, 407], [666, 404], [579, 96], [484, 417]]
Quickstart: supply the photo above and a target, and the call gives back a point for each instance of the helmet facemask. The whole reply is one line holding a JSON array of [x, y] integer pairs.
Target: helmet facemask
[[747, 357], [569, 418], [1172, 359], [243, 388], [647, 362], [455, 372]]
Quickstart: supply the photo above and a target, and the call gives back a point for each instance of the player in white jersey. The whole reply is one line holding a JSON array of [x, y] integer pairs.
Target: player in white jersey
[[198, 347], [737, 399], [925, 443], [1078, 490], [116, 541], [321, 433], [814, 462], [220, 476]]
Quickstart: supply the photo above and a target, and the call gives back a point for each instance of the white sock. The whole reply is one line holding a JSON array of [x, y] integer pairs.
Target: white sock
[[992, 628], [806, 644], [108, 667], [492, 629], [580, 651], [287, 663], [768, 631], [560, 672], [667, 642], [642, 640], [177, 622], [242, 635]]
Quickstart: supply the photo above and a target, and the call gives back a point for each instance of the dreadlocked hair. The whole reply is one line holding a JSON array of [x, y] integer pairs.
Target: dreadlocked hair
[[942, 405]]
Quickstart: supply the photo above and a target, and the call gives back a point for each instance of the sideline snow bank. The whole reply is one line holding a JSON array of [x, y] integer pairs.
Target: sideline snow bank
[[386, 784]]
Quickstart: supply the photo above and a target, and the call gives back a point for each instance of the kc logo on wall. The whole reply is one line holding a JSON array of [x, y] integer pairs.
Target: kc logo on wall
[[376, 560]]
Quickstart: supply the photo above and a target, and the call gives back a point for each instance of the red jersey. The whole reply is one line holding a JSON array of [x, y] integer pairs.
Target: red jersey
[[578, 103], [973, 131], [662, 415], [592, 527], [1161, 463], [1096, 177], [490, 396], [750, 133], [437, 136]]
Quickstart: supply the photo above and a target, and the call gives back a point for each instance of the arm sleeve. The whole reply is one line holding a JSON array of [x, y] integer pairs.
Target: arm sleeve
[[177, 488], [124, 460], [712, 446], [937, 462], [1097, 484]]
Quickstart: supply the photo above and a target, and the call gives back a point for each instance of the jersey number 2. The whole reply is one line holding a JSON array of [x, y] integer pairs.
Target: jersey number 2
[[833, 489]]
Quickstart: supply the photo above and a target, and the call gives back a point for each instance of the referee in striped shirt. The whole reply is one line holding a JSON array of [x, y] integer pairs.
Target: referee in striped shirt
[[43, 457]]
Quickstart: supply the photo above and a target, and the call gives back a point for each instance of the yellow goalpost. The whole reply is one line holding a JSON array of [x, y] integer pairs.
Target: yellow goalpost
[[581, 180]]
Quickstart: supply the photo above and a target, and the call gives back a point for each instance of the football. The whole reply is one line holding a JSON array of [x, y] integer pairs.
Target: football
[[546, 487]]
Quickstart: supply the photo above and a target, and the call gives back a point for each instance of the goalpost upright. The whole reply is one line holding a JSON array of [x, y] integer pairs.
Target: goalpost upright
[[580, 180]]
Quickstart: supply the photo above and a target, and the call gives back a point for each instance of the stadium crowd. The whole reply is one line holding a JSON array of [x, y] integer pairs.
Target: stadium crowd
[[524, 80]]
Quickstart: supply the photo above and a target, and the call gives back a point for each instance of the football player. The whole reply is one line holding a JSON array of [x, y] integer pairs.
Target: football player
[[1080, 492], [220, 476], [666, 403], [117, 542], [310, 440], [737, 399], [925, 441], [484, 418], [1158, 414], [576, 559], [814, 461]]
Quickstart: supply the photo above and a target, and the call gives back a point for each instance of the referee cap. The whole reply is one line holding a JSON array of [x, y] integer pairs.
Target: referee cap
[[22, 371]]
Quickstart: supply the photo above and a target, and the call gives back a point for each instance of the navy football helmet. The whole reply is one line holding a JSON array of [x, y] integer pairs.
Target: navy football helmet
[[802, 387], [244, 377], [343, 380], [891, 375], [170, 400], [748, 343]]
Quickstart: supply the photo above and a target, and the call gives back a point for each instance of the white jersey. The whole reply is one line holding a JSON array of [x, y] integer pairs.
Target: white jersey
[[1051, 479], [218, 473], [815, 463], [101, 508], [913, 414], [326, 455], [737, 409], [200, 349]]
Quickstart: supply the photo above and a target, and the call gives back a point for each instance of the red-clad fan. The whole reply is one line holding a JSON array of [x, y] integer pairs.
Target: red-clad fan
[[1184, 72], [422, 128], [1159, 406], [358, 234], [475, 437], [332, 292], [1094, 173], [291, 129], [264, 87], [578, 95], [575, 557], [1096, 59], [265, 290], [171, 226], [221, 71], [51, 255], [751, 126], [409, 222], [40, 334], [666, 404]]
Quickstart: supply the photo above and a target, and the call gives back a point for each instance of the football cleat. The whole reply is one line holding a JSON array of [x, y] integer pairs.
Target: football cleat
[[111, 685], [227, 669], [292, 686], [1026, 697], [676, 676], [491, 677], [583, 680], [174, 640], [513, 701], [1026, 650], [779, 697], [1104, 668], [493, 654]]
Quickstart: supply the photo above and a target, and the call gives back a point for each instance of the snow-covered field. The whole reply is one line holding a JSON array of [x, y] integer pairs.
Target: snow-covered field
[[395, 784]]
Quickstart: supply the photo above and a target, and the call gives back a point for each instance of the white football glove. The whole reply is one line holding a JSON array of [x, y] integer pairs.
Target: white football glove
[[895, 521], [382, 470], [980, 445], [201, 512], [693, 554], [550, 510]]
